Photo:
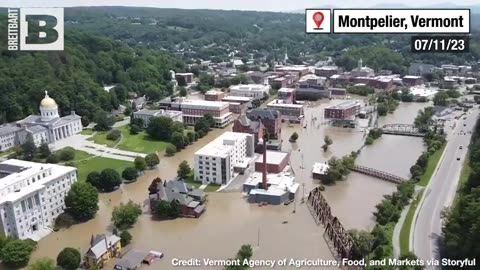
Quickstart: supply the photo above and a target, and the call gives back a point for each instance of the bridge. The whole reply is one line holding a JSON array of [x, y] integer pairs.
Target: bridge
[[343, 245], [379, 174], [402, 130]]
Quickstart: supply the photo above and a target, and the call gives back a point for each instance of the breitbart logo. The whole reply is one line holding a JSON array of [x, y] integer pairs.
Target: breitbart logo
[[35, 29]]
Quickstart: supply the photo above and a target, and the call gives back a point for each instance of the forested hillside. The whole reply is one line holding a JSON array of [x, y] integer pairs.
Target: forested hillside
[[213, 34], [462, 229], [75, 77]]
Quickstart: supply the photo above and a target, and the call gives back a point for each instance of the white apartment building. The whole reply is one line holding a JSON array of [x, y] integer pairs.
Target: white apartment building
[[194, 110], [216, 162], [32, 196], [255, 91], [146, 115]]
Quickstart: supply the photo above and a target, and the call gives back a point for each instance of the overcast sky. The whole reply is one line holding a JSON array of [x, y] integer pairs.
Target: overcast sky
[[263, 5]]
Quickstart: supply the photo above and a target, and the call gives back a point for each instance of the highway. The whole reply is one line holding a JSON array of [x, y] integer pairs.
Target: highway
[[440, 192]]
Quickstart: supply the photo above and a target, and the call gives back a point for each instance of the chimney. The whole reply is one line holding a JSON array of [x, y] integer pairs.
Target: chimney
[[264, 172]]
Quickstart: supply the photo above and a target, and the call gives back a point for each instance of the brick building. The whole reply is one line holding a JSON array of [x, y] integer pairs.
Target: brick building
[[270, 118], [344, 110]]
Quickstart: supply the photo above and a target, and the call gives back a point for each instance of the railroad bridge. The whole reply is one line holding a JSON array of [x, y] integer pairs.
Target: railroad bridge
[[379, 174], [402, 130], [343, 245]]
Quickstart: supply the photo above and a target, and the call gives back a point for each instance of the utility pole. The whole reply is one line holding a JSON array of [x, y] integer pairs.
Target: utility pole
[[258, 237]]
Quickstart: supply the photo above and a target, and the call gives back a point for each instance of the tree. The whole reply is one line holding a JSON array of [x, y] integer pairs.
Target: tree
[[43, 264], [160, 128], [16, 253], [209, 119], [191, 136], [183, 170], [67, 154], [53, 158], [328, 141], [44, 150], [245, 253], [85, 121], [182, 91], [294, 137], [170, 150], [94, 178], [134, 129], [440, 98], [386, 212], [29, 148], [109, 179], [139, 163], [137, 121], [125, 215], [81, 201], [363, 241], [125, 238], [130, 173], [382, 109], [69, 258], [114, 135], [178, 140], [103, 122], [152, 160]]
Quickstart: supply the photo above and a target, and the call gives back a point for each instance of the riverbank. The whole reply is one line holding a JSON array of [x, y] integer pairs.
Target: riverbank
[[406, 227]]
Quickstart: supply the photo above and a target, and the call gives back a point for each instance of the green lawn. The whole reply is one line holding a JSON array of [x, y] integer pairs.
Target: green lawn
[[407, 225], [211, 188], [431, 166], [86, 164], [140, 143], [101, 138], [87, 131], [7, 152]]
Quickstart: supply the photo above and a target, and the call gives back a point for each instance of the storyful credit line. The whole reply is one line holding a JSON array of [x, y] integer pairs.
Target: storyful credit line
[[394, 22]]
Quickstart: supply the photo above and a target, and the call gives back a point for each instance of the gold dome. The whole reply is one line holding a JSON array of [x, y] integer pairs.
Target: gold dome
[[48, 102]]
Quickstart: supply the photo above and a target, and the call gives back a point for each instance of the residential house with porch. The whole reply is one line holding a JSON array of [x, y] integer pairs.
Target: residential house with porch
[[102, 248]]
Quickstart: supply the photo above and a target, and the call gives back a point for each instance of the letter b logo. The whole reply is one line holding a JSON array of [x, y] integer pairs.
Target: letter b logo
[[41, 29]]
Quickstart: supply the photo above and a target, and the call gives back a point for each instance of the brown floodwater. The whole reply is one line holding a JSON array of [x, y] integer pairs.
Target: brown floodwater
[[275, 232]]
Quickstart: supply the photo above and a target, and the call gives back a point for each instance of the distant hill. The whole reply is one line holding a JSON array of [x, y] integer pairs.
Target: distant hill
[[474, 9]]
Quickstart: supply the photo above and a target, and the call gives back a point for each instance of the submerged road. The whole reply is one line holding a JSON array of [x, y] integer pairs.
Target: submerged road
[[440, 192]]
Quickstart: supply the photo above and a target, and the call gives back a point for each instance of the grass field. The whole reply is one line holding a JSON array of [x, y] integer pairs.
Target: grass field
[[140, 143], [101, 138], [87, 131], [87, 163], [432, 164], [407, 225]]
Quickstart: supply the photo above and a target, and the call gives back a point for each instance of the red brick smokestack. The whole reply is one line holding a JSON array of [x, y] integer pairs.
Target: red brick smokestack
[[264, 172]]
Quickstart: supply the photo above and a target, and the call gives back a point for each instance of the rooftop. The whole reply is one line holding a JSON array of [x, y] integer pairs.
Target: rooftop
[[273, 157], [213, 92], [237, 98], [286, 90], [156, 112], [328, 68], [344, 105], [320, 168], [250, 87], [222, 145], [16, 171], [186, 103], [280, 103], [278, 183], [412, 77]]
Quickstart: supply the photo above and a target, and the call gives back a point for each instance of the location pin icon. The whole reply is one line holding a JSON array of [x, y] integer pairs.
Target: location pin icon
[[318, 19]]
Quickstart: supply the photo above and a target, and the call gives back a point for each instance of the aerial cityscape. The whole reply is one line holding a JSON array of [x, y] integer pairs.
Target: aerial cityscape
[[168, 137]]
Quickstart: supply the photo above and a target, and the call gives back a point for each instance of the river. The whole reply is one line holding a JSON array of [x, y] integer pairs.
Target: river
[[275, 232]]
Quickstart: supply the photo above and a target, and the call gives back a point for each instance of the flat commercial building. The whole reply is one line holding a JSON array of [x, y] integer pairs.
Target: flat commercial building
[[327, 71], [276, 162], [255, 91], [238, 105], [344, 110], [32, 197], [146, 115], [194, 110], [412, 80], [291, 112], [281, 188], [214, 95], [216, 162]]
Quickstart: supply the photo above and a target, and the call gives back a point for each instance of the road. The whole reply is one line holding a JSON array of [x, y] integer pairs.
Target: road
[[441, 190]]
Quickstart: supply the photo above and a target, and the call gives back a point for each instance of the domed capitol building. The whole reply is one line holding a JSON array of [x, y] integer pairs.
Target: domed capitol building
[[47, 127]]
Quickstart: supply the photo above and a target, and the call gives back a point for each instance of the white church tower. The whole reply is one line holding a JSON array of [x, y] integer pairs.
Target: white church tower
[[48, 108]]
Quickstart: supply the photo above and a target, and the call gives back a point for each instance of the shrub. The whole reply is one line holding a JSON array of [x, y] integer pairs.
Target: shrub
[[125, 238], [170, 150], [53, 158], [114, 135], [130, 173], [67, 154]]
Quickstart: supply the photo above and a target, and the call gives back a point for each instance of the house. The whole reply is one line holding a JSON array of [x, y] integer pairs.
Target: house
[[245, 125], [132, 260], [270, 118], [102, 248], [190, 199]]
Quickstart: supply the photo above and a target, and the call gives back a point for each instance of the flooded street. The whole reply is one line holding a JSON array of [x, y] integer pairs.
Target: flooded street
[[275, 232]]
